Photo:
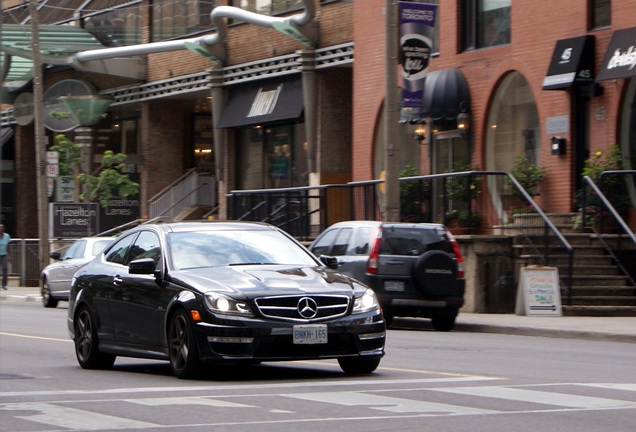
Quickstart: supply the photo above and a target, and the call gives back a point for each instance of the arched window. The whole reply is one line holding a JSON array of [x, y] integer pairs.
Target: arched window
[[512, 130]]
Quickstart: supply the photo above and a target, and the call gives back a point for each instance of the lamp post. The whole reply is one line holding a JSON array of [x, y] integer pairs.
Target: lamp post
[[392, 150]]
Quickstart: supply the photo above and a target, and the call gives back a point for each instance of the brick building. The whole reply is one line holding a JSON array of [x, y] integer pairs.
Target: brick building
[[537, 73], [181, 110], [251, 78]]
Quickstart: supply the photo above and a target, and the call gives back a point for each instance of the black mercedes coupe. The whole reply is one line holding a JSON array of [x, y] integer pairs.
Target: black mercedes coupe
[[196, 293]]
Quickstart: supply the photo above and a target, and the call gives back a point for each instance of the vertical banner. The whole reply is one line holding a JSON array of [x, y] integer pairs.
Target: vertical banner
[[417, 29]]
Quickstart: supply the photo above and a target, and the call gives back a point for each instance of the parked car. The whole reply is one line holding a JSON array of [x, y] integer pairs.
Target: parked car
[[55, 280], [196, 293], [416, 269]]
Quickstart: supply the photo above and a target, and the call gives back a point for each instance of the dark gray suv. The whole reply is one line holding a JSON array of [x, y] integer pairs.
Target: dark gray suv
[[416, 269]]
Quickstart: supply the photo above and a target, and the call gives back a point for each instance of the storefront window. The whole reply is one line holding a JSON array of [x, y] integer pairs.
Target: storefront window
[[173, 18], [271, 157], [268, 7], [116, 27], [513, 127]]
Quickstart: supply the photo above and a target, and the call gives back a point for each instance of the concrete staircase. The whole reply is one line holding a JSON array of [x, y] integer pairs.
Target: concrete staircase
[[598, 286]]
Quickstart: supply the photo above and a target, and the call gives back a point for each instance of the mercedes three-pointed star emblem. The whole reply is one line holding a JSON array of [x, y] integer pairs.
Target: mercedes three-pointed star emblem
[[307, 308]]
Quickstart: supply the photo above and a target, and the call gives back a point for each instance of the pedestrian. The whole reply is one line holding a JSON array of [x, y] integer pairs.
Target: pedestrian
[[4, 256]]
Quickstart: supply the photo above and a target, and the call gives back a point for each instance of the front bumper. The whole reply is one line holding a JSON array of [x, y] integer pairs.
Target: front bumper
[[261, 340]]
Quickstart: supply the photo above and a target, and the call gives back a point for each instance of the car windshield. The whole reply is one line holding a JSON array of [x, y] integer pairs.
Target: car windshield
[[227, 248]]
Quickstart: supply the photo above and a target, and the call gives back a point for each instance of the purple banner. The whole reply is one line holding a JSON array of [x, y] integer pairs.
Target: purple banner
[[417, 29]]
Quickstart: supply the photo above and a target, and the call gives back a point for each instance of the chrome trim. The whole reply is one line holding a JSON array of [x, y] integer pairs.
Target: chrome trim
[[368, 336]]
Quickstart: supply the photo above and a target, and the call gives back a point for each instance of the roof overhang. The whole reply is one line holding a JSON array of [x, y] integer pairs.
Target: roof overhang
[[59, 44]]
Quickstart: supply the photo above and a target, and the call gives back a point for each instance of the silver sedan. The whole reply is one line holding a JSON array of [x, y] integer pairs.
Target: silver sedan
[[56, 277]]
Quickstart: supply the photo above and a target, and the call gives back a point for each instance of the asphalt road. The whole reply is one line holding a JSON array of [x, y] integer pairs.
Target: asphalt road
[[428, 381]]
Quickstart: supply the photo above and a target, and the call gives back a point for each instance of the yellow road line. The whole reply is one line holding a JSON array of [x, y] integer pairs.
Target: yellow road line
[[35, 337]]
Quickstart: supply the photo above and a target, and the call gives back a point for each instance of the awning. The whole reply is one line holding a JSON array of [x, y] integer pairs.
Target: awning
[[620, 58], [58, 45], [446, 94], [572, 63], [262, 103]]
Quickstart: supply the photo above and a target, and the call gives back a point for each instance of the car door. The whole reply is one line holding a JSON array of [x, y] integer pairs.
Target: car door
[[61, 274], [139, 302]]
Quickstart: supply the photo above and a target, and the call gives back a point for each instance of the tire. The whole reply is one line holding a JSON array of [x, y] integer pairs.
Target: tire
[[435, 273], [47, 300], [359, 365], [87, 344], [443, 323], [182, 346]]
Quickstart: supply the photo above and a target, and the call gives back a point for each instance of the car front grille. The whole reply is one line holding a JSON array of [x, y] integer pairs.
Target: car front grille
[[303, 308]]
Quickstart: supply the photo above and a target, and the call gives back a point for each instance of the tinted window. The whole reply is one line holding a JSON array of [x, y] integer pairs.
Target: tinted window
[[362, 241], [99, 246], [76, 250], [146, 246], [342, 242], [323, 243], [411, 241], [117, 253]]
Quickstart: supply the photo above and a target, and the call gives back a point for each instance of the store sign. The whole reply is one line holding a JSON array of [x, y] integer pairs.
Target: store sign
[[417, 29], [74, 220], [620, 58], [572, 63]]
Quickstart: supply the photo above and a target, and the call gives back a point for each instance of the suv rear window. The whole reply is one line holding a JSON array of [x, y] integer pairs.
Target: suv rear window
[[412, 241]]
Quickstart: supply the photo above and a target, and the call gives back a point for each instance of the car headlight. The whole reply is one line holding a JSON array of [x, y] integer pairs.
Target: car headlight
[[366, 302], [221, 304]]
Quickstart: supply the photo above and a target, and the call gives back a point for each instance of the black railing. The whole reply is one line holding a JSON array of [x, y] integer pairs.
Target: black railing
[[469, 202], [604, 209]]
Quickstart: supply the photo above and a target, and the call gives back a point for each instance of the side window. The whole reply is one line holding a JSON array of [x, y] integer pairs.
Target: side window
[[117, 253], [72, 251], [342, 242], [323, 245], [146, 246], [362, 242]]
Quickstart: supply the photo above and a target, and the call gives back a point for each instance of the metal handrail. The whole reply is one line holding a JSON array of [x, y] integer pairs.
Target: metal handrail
[[617, 217], [171, 186]]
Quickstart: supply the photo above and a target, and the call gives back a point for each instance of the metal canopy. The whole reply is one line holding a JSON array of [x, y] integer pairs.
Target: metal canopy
[[59, 44]]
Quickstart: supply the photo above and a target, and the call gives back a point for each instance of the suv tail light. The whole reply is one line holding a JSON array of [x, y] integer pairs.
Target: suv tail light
[[372, 263], [458, 255]]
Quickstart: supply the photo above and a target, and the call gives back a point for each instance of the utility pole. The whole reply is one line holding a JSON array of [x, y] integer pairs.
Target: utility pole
[[40, 140], [391, 115]]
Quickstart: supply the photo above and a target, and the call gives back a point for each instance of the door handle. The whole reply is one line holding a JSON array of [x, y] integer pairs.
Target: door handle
[[117, 280]]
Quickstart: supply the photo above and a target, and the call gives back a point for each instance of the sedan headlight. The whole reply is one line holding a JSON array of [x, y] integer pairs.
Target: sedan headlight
[[366, 302], [224, 305]]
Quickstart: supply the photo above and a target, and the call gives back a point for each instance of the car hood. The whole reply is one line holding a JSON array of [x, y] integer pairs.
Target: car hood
[[262, 280]]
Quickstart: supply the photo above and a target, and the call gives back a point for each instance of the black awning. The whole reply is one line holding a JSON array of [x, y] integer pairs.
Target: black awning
[[264, 102], [620, 57], [572, 63], [446, 95]]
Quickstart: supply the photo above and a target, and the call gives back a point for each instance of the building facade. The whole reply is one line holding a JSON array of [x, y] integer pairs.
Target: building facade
[[551, 82]]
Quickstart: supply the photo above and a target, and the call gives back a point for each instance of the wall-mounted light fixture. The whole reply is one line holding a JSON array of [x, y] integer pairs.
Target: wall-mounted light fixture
[[463, 121], [420, 132]]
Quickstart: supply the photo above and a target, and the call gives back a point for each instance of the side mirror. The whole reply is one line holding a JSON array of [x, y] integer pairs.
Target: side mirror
[[143, 266], [329, 261], [55, 255]]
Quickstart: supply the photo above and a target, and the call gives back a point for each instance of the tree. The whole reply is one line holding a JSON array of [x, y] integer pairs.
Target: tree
[[110, 180]]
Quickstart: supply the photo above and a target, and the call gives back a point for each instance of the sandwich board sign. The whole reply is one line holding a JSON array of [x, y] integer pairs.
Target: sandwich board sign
[[539, 292]]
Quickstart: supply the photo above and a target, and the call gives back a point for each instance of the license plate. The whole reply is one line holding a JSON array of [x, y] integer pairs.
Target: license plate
[[393, 285], [310, 334]]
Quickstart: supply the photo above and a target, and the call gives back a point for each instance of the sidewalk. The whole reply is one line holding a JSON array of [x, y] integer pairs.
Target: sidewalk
[[615, 329]]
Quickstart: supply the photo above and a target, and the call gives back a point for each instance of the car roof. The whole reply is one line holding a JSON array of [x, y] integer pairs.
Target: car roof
[[365, 223], [188, 226]]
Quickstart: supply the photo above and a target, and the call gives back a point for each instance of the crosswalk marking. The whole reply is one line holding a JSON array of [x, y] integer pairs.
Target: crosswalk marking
[[540, 397], [387, 403], [71, 418], [187, 401]]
